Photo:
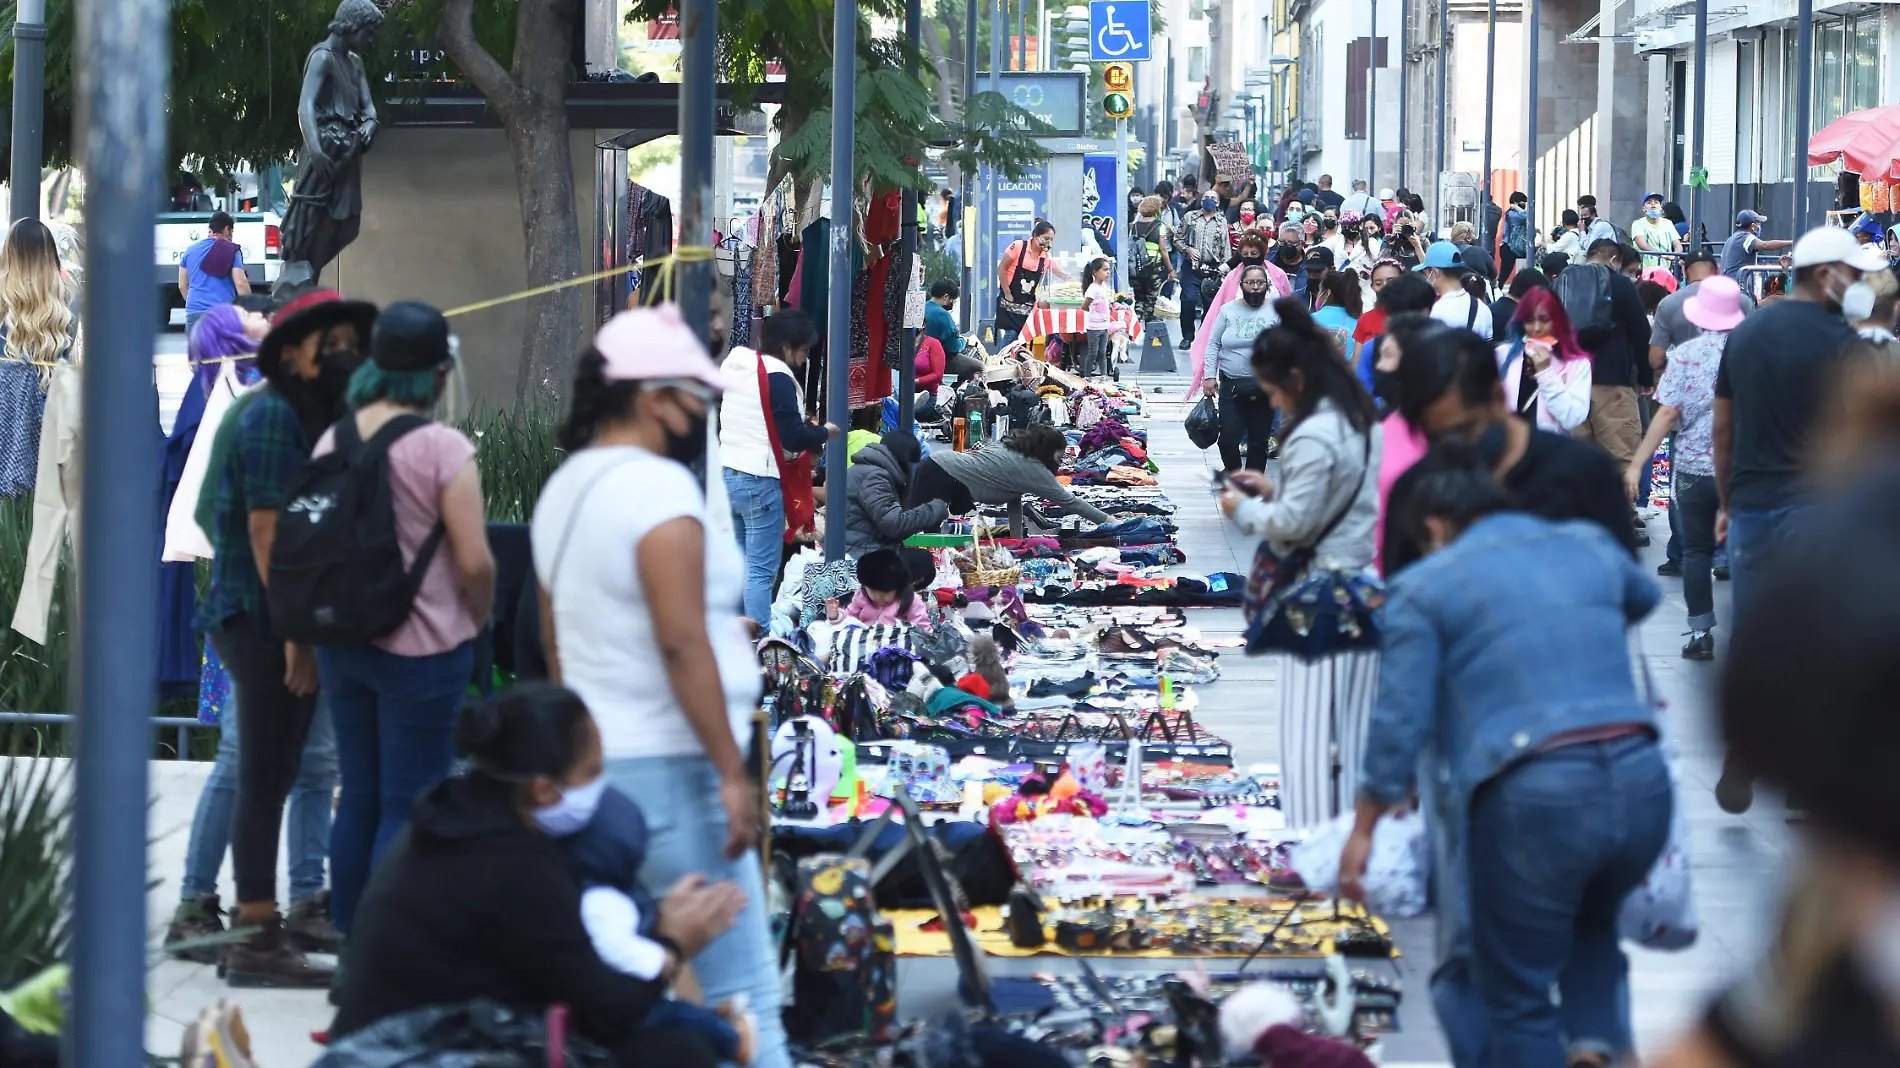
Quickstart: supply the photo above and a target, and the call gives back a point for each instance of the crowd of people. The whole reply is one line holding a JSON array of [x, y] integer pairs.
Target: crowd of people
[[1468, 454]]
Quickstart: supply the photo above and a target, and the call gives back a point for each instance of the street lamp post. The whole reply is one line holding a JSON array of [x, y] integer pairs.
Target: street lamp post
[[1534, 23], [906, 366], [1803, 109], [966, 294], [844, 170], [1490, 95], [1372, 102], [698, 21], [1695, 148], [29, 91], [1444, 46]]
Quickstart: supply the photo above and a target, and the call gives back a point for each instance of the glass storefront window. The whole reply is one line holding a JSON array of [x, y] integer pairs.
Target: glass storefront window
[[1864, 60]]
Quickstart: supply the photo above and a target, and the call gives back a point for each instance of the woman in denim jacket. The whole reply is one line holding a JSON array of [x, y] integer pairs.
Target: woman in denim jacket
[[1543, 775]]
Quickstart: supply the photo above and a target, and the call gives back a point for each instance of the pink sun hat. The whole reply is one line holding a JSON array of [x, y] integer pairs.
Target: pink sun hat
[[1716, 304], [652, 343]]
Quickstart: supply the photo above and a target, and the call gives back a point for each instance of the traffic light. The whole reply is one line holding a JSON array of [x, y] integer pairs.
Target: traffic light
[[1119, 79]]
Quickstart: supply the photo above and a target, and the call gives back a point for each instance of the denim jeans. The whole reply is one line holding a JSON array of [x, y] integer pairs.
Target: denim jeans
[[307, 832], [1694, 510], [1753, 538], [1673, 551], [395, 729], [758, 518], [687, 825], [1548, 877]]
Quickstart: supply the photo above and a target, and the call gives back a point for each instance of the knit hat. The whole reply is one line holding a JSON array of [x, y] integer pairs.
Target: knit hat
[[410, 336], [975, 685], [882, 569]]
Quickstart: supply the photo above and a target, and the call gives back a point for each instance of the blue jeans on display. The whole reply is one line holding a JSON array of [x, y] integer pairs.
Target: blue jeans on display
[[1752, 540], [395, 729], [687, 828], [307, 830], [758, 518], [1548, 877]]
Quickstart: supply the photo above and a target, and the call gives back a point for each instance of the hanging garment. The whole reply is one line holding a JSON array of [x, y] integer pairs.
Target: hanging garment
[[183, 538], [656, 218], [914, 296], [896, 292], [179, 656], [55, 498], [22, 407], [740, 333], [814, 272], [860, 371], [635, 231]]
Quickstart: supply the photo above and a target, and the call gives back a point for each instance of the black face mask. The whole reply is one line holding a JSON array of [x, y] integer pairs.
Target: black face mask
[[334, 368], [1385, 387], [1290, 250], [688, 448], [1254, 297], [1253, 260]]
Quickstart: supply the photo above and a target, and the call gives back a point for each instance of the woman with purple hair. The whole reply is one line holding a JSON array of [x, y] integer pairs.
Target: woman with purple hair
[[221, 333]]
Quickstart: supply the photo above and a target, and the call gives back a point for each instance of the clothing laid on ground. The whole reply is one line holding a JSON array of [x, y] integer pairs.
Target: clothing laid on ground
[[1556, 478], [861, 609], [1688, 385], [998, 474], [1671, 328], [472, 902], [1773, 372], [1230, 344], [587, 529]]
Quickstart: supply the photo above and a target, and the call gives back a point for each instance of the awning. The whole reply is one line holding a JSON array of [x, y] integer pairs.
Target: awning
[[1865, 142]]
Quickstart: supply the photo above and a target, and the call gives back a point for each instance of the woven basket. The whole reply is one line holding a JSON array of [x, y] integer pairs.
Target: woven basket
[[979, 575]]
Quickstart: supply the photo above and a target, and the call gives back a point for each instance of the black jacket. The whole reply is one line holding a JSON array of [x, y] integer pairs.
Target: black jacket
[[470, 902], [1619, 356], [874, 512]]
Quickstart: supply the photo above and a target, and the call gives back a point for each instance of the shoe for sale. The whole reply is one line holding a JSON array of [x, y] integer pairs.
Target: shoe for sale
[[1734, 792], [1721, 572], [309, 926], [1669, 569], [200, 917], [270, 959], [1701, 646]]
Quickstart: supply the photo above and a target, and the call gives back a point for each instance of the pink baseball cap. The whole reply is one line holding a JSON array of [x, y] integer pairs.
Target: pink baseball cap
[[1662, 277], [653, 343], [1716, 304]]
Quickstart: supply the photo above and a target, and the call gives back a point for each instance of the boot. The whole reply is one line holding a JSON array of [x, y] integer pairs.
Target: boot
[[200, 917], [309, 926], [270, 959]]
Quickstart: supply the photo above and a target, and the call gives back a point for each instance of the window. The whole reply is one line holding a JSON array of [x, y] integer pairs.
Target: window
[[1830, 48], [1197, 64], [1864, 61], [1197, 10], [1358, 57]]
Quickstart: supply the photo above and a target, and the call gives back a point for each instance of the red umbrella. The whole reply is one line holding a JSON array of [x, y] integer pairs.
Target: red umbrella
[[1865, 142]]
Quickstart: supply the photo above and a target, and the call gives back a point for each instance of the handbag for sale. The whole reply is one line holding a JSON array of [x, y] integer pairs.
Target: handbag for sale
[[853, 645], [1292, 608], [794, 472]]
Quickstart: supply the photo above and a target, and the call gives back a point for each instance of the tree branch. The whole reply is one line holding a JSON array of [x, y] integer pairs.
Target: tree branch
[[457, 34]]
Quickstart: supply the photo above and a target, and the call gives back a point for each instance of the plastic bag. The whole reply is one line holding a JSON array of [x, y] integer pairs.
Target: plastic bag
[[1203, 424], [480, 1034], [1397, 873], [1660, 913]]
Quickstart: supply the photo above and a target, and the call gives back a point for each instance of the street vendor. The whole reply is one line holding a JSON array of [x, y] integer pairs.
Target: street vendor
[[1025, 461], [1019, 274]]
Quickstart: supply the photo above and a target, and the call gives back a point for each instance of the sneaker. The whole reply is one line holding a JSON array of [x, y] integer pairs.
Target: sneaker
[[270, 959], [1669, 569], [1186, 344], [1701, 646], [309, 927], [1721, 572], [1734, 791], [200, 917]]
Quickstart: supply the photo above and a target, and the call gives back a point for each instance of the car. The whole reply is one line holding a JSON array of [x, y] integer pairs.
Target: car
[[258, 232]]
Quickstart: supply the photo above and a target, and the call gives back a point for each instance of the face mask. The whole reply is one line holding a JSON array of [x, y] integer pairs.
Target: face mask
[[1209, 204], [1490, 443], [688, 448], [1289, 249], [1385, 386], [1246, 216], [334, 368], [1254, 298], [1654, 213], [1253, 259], [573, 811], [1857, 302]]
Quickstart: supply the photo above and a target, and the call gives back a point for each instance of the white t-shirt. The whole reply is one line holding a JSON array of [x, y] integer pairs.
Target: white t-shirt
[[603, 625], [1454, 309], [1095, 307]]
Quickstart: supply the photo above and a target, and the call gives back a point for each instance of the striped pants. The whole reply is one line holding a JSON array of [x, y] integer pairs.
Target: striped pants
[[1324, 708]]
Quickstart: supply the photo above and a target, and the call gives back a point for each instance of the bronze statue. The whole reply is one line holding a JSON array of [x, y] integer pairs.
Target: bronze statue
[[338, 120]]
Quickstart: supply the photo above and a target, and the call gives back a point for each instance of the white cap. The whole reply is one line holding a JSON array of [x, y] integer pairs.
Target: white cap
[[1825, 244], [1869, 259]]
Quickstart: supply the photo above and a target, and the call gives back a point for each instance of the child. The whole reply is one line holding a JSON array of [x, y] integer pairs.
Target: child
[[1097, 299], [885, 592], [605, 857]]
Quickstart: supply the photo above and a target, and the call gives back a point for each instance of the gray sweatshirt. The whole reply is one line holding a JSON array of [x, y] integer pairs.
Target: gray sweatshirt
[[998, 474], [1230, 346], [1324, 463]]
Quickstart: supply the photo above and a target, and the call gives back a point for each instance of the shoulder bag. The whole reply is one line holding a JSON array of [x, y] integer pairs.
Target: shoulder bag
[[794, 471], [1292, 608]]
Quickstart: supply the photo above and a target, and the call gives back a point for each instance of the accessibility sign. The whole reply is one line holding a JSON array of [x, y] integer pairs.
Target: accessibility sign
[[1118, 30]]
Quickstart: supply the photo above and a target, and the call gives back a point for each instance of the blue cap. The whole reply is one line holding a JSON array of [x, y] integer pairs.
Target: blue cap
[[1647, 197], [1442, 254]]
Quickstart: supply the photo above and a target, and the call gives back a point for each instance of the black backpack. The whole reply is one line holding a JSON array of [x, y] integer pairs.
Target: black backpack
[[1584, 289], [336, 568]]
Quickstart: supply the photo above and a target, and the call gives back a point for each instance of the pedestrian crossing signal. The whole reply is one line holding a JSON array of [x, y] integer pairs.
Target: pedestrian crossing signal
[[1118, 105]]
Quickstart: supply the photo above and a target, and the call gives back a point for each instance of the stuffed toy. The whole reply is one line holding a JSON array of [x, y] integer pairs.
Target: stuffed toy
[[1265, 1019], [986, 659]]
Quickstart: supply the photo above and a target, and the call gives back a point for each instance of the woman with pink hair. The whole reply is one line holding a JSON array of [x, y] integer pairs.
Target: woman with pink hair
[[1546, 374]]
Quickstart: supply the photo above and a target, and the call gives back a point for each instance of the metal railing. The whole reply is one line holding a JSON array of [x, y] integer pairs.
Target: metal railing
[[180, 724]]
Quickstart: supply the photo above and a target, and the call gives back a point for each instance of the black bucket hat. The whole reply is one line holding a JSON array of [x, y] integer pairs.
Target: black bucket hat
[[313, 312]]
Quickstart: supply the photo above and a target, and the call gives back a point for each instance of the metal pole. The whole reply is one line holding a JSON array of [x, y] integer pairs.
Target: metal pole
[[29, 92], [1803, 109], [1535, 27], [906, 362], [698, 31], [1438, 177], [990, 252], [1490, 95], [966, 294], [844, 183], [1405, 91], [1121, 209], [123, 61], [1695, 146], [1372, 103]]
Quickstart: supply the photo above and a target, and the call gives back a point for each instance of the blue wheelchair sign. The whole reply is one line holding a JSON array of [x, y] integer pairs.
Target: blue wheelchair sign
[[1118, 31]]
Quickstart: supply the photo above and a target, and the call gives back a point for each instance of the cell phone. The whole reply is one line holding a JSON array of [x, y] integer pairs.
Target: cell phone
[[1218, 483]]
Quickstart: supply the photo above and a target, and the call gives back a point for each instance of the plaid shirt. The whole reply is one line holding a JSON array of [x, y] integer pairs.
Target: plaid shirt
[[267, 450], [1206, 231]]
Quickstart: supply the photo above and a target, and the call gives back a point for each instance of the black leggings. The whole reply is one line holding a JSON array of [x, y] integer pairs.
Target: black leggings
[[932, 483], [273, 726], [1244, 413]]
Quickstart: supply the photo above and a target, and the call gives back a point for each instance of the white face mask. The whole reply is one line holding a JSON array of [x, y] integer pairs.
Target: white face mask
[[1857, 302], [573, 811]]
